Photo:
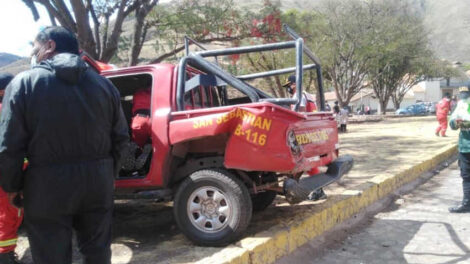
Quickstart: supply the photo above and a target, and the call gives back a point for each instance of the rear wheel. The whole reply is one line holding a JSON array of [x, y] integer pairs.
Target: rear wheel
[[212, 207]]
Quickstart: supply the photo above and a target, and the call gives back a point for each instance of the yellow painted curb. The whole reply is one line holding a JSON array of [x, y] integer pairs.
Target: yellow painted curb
[[278, 241]]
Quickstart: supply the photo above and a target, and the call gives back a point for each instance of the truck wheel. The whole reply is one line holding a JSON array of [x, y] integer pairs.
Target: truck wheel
[[262, 200], [212, 207]]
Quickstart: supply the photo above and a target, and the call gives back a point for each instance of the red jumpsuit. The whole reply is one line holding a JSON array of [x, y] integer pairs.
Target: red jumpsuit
[[141, 117], [10, 220], [442, 110]]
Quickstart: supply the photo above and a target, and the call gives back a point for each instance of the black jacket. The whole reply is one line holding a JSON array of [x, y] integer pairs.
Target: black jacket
[[59, 113]]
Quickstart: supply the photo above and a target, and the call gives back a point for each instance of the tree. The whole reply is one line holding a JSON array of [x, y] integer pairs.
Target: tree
[[345, 46], [98, 37], [400, 53], [421, 69]]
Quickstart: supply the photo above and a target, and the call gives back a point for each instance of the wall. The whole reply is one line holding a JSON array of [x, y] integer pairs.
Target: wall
[[433, 91]]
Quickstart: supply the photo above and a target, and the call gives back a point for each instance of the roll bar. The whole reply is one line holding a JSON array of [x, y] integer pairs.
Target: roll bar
[[197, 60]]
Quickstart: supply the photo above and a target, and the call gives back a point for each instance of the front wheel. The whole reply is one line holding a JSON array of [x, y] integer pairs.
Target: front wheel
[[212, 207]]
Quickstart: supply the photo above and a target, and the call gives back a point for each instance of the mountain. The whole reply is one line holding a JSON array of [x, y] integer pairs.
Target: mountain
[[7, 58], [16, 67], [449, 28], [446, 21]]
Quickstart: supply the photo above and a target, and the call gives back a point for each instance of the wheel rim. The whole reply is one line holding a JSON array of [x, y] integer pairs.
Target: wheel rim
[[209, 209]]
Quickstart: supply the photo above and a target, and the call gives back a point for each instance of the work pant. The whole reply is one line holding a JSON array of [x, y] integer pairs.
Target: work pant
[[140, 129], [464, 164], [442, 127], [10, 220], [62, 198]]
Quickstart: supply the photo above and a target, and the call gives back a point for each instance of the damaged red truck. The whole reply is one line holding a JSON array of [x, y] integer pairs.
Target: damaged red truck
[[223, 148]]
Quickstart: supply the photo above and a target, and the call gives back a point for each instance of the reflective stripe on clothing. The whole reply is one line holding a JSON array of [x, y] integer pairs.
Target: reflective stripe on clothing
[[10, 220], [7, 243]]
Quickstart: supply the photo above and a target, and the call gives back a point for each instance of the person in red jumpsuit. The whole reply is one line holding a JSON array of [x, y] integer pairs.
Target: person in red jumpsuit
[[10, 216], [141, 117], [442, 110]]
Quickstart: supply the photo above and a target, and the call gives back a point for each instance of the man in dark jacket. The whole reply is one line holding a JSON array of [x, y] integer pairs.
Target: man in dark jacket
[[67, 121]]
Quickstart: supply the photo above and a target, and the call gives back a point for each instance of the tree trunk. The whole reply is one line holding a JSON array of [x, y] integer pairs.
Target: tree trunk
[[137, 40], [140, 30], [383, 106]]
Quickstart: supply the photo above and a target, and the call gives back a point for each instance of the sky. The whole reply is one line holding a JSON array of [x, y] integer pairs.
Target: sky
[[18, 28]]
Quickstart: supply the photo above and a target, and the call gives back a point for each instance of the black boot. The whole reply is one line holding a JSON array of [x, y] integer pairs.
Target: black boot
[[465, 206], [317, 195], [9, 258]]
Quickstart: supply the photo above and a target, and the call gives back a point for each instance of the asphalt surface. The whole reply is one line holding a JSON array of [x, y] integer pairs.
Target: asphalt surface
[[416, 228]]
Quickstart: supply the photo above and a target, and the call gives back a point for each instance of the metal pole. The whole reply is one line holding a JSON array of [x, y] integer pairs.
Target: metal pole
[[320, 88], [273, 73], [298, 71], [186, 46], [181, 83], [307, 51], [247, 49]]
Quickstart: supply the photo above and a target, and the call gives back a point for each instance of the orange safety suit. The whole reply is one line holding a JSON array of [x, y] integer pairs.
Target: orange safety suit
[[10, 220], [140, 124], [442, 110]]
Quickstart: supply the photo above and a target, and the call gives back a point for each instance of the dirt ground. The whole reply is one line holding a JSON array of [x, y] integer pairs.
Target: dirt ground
[[145, 231]]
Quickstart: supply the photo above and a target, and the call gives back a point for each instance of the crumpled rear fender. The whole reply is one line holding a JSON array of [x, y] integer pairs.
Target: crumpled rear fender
[[257, 136]]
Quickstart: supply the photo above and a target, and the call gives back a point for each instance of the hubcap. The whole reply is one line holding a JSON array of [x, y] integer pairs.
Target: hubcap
[[209, 209]]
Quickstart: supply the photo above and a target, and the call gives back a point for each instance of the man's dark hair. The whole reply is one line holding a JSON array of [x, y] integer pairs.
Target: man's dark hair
[[5, 79], [65, 40]]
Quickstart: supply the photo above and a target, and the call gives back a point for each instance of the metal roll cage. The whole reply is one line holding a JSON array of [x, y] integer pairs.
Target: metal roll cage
[[196, 59]]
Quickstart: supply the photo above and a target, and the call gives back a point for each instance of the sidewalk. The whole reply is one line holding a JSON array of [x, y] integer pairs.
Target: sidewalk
[[416, 228], [386, 154]]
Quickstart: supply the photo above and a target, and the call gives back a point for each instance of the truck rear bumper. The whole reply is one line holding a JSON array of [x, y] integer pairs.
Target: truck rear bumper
[[298, 191]]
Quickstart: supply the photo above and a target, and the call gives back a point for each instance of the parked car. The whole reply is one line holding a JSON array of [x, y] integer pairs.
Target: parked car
[[416, 109], [430, 106]]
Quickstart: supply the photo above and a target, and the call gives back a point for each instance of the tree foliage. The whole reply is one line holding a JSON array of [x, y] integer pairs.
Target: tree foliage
[[205, 21]]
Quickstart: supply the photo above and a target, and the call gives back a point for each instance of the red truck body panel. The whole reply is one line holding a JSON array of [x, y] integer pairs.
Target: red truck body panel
[[162, 100], [258, 135], [257, 132]]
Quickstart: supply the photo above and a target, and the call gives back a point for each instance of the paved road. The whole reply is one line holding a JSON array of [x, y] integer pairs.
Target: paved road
[[416, 228]]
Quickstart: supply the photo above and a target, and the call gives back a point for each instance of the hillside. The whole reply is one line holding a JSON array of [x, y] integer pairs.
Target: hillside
[[449, 27], [446, 22], [7, 58], [16, 67]]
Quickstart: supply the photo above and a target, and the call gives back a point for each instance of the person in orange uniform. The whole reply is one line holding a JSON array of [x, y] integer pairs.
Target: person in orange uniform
[[10, 216], [442, 110], [141, 117]]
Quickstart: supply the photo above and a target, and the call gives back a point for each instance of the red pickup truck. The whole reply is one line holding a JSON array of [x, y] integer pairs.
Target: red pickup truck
[[223, 148]]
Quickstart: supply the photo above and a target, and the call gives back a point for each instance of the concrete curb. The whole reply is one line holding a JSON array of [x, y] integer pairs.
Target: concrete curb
[[282, 239]]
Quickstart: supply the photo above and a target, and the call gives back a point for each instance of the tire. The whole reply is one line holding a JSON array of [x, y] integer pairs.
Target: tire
[[262, 200], [207, 221]]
